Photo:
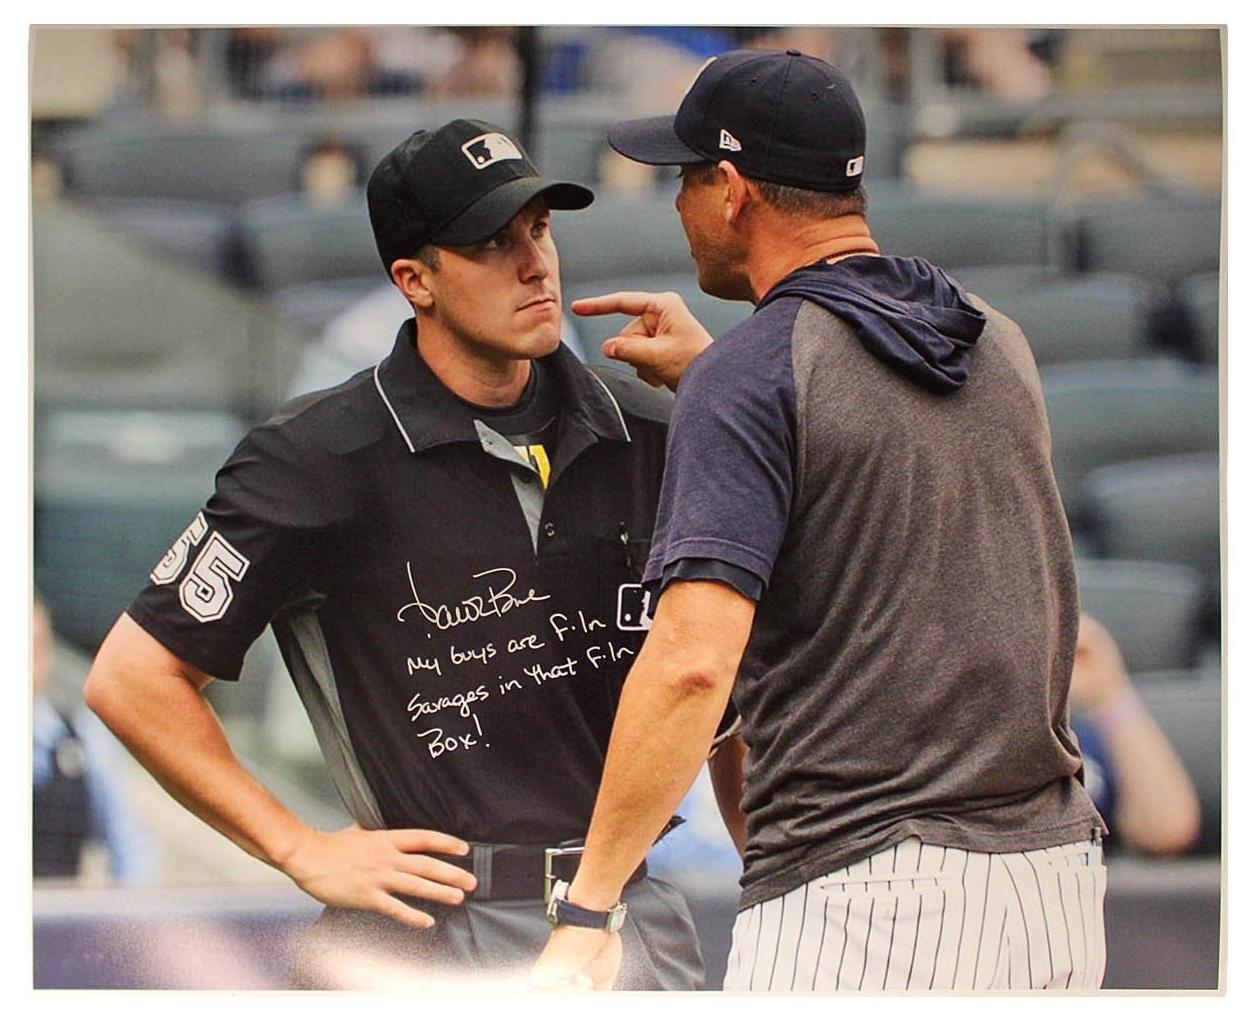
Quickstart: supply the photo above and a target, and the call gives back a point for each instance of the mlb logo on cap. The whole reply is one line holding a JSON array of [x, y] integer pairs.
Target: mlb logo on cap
[[487, 149]]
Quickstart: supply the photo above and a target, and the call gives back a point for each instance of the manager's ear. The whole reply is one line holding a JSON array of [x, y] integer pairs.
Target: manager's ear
[[412, 276], [738, 193]]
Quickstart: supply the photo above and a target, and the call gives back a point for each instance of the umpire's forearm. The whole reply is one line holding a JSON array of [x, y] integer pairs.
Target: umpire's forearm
[[154, 704], [672, 702]]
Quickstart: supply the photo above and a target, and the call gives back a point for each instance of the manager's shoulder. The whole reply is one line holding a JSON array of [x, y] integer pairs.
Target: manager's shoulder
[[762, 338]]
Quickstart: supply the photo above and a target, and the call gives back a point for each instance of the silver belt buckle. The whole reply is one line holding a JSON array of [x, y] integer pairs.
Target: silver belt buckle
[[548, 867]]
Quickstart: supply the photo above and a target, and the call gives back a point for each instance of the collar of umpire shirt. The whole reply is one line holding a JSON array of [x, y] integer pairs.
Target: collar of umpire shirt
[[427, 413]]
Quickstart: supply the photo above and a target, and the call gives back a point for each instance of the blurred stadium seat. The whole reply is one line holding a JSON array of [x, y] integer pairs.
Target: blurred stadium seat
[[1151, 608], [113, 489], [958, 231], [1196, 315], [174, 185], [196, 231], [114, 324], [290, 238], [1163, 923], [1112, 411], [1164, 508], [621, 235], [1163, 238], [153, 157], [311, 259], [1099, 316]]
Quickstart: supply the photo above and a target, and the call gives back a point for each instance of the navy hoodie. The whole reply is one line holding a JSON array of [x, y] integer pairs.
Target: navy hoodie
[[906, 311]]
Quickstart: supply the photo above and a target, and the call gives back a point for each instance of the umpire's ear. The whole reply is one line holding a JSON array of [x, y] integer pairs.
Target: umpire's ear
[[411, 275]]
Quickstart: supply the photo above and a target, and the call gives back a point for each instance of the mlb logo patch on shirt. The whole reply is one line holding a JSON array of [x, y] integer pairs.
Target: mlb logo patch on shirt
[[633, 608]]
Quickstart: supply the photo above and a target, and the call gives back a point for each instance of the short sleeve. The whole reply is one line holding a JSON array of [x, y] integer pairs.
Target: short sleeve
[[241, 557], [742, 580], [729, 479]]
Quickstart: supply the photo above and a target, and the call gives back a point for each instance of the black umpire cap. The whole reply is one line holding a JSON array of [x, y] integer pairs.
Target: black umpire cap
[[457, 185]]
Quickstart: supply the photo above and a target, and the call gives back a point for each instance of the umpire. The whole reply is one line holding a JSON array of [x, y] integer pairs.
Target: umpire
[[860, 538], [448, 547]]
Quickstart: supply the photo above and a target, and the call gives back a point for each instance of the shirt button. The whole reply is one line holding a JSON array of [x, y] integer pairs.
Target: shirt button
[[549, 529], [527, 478]]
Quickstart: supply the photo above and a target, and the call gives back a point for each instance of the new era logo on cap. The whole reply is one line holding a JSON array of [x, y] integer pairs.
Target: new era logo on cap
[[728, 142], [487, 149]]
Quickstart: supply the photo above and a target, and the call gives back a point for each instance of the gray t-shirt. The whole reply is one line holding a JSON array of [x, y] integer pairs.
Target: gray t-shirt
[[909, 664]]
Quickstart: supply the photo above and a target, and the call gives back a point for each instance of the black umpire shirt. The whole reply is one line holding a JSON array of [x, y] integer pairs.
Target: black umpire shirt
[[458, 636]]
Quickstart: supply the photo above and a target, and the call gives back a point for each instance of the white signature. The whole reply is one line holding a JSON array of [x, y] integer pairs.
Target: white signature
[[494, 603]]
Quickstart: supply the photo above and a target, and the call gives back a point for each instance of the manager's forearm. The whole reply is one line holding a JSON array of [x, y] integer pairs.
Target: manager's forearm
[[671, 705]]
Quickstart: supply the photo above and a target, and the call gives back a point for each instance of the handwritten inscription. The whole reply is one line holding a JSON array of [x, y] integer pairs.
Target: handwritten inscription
[[481, 653], [458, 678], [528, 643], [562, 624], [541, 675], [438, 741], [461, 701], [598, 655], [497, 600]]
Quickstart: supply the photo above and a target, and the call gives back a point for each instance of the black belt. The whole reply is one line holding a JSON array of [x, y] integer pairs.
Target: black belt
[[521, 871]]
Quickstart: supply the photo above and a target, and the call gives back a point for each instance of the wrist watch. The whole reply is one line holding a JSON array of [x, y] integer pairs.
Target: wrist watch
[[561, 911]]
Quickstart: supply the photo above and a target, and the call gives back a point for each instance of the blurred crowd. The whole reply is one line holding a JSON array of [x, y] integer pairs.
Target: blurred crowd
[[646, 66]]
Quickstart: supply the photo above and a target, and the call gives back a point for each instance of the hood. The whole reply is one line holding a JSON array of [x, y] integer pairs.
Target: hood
[[906, 311]]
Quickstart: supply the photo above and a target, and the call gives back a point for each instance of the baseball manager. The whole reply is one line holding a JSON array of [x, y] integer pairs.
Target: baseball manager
[[860, 538]]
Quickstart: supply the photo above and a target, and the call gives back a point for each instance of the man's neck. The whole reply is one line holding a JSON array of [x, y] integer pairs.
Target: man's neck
[[479, 379], [780, 247]]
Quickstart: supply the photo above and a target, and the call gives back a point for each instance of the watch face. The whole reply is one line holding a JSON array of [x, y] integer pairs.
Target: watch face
[[616, 917]]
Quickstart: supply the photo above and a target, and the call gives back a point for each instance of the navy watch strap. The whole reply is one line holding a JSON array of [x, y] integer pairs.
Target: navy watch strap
[[561, 911]]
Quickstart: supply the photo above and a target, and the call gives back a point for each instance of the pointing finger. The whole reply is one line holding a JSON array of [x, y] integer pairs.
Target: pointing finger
[[624, 302]]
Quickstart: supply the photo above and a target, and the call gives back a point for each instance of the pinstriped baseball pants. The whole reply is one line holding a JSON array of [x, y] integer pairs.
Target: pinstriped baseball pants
[[923, 917]]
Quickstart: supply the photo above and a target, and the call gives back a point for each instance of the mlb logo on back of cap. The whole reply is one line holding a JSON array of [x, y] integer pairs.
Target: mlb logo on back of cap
[[855, 166], [487, 149]]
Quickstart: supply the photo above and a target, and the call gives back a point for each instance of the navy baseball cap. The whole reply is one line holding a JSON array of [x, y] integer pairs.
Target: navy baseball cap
[[787, 118], [457, 185]]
